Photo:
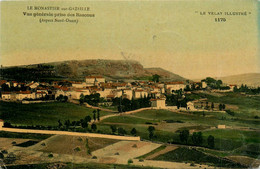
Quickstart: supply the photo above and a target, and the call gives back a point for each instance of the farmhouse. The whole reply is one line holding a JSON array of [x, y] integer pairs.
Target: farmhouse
[[190, 106], [158, 103]]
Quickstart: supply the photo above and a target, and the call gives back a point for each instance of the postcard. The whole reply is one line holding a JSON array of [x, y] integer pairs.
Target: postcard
[[130, 84]]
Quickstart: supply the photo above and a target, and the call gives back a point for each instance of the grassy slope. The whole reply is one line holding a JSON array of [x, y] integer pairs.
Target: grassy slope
[[191, 155], [44, 113], [224, 139]]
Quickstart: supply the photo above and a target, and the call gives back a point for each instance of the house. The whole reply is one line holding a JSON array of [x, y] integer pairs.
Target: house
[[94, 80], [140, 93], [77, 93], [62, 91], [128, 93], [24, 95], [20, 95], [1, 124], [190, 106], [78, 84], [40, 94], [158, 103], [6, 95], [170, 86], [33, 85], [232, 86], [204, 85], [221, 126]]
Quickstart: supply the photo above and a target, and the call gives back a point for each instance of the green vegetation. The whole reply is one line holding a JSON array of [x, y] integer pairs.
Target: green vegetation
[[184, 154], [126, 120], [24, 135], [78, 166], [235, 135], [45, 114]]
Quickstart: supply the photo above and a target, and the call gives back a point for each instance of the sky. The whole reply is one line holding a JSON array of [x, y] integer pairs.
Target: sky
[[167, 34]]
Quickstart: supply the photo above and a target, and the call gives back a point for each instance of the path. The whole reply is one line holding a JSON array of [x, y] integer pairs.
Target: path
[[93, 107], [120, 114], [70, 133]]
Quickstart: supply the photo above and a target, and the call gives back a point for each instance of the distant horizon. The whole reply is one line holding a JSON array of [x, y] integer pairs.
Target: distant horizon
[[194, 79]]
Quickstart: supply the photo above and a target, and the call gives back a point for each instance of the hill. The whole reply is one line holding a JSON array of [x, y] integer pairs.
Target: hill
[[250, 79], [77, 70]]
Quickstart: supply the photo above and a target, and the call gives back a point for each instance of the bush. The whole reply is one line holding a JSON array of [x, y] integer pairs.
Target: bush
[[192, 164], [130, 161], [94, 157], [230, 112], [50, 155], [77, 149]]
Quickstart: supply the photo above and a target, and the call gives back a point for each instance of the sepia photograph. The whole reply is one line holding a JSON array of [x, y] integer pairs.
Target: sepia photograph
[[127, 84]]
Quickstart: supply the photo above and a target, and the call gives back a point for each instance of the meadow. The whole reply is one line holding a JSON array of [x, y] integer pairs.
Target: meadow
[[45, 114]]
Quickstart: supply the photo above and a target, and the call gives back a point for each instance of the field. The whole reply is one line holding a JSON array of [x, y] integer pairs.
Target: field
[[45, 114], [192, 155], [241, 136], [72, 145]]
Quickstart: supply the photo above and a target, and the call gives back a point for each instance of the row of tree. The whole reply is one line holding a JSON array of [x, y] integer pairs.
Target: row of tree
[[246, 89], [125, 104], [92, 99], [82, 122], [196, 138]]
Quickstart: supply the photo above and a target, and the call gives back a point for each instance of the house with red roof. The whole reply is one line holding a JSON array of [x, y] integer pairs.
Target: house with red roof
[[94, 80]]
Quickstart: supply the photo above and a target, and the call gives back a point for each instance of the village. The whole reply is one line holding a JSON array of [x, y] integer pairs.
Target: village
[[36, 92]]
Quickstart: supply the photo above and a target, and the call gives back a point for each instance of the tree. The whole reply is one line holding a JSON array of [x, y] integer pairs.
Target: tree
[[220, 107], [87, 119], [65, 99], [83, 123], [67, 123], [156, 78], [113, 128], [94, 115], [151, 131], [87, 147], [197, 138], [224, 106], [207, 105], [133, 131], [121, 131], [211, 141], [60, 124], [93, 126], [98, 114], [212, 105], [184, 135], [81, 99]]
